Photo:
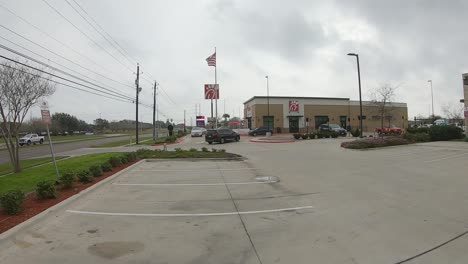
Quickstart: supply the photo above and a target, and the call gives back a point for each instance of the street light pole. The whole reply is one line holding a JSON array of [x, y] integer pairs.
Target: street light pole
[[268, 102], [432, 96], [360, 96]]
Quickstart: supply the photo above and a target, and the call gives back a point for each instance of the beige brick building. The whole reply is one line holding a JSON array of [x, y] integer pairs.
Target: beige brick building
[[301, 114]]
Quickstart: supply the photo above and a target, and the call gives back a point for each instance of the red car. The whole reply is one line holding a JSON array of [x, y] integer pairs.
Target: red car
[[389, 130]]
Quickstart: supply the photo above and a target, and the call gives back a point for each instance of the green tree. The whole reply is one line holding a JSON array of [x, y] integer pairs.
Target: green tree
[[65, 122], [101, 124]]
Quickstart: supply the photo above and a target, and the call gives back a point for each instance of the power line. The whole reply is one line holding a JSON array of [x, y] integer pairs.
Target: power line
[[61, 43], [62, 78], [89, 23], [61, 71], [39, 45], [86, 35], [18, 53], [64, 84]]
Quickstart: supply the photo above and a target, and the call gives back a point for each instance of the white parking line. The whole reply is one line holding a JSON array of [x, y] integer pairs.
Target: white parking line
[[444, 158], [192, 184], [188, 215], [204, 169]]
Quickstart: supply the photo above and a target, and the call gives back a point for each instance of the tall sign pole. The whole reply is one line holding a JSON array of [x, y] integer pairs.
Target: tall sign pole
[[216, 82], [45, 113], [154, 112], [137, 84]]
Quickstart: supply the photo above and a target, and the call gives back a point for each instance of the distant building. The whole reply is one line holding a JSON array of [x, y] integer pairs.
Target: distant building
[[301, 114]]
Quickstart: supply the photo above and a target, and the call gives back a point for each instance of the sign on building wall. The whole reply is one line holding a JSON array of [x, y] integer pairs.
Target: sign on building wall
[[294, 106], [211, 91]]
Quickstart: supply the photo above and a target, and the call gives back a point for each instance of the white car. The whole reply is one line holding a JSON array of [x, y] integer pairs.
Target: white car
[[31, 139], [198, 132]]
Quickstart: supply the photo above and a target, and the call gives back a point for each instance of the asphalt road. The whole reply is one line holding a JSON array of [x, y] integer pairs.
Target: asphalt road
[[37, 151]]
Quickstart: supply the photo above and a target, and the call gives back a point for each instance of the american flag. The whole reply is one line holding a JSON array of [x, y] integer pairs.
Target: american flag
[[211, 60]]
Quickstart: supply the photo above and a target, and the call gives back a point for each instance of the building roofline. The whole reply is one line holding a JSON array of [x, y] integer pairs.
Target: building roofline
[[296, 97]]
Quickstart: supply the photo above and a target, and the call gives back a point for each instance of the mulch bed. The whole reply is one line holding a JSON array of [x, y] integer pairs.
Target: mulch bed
[[33, 206]]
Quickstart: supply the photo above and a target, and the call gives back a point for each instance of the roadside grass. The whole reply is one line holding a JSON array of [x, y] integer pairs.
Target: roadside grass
[[157, 141], [27, 179], [121, 143], [5, 168]]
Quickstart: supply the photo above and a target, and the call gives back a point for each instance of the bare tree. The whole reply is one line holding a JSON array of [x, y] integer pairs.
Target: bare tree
[[20, 89], [381, 98], [453, 112]]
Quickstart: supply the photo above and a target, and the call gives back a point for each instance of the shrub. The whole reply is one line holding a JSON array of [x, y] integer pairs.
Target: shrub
[[374, 142], [131, 156], [305, 136], [95, 170], [84, 176], [417, 130], [67, 179], [204, 149], [171, 139], [193, 150], [222, 150], [11, 201], [356, 132], [334, 134], [214, 150], [320, 135], [179, 150], [106, 166], [123, 159], [327, 135], [45, 190], [311, 135], [438, 133], [417, 137], [297, 136], [115, 161]]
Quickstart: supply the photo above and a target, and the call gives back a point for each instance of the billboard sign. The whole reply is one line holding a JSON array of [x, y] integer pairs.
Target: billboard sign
[[211, 91], [200, 121], [294, 106]]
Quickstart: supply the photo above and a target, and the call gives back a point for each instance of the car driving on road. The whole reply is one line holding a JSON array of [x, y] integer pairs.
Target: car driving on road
[[221, 135], [31, 139], [260, 131], [333, 127], [198, 132]]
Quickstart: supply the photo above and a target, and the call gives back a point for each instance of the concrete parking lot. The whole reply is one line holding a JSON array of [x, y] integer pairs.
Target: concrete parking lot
[[401, 204]]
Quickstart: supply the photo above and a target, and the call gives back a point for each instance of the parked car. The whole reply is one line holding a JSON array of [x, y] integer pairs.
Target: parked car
[[389, 130], [333, 127], [198, 132], [31, 139], [221, 135], [260, 131]]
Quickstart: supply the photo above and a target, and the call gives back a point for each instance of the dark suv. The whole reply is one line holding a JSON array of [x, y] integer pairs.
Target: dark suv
[[221, 135], [332, 127], [260, 131]]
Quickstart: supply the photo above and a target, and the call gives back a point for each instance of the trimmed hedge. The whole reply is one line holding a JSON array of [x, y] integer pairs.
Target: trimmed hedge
[[439, 133], [115, 161], [84, 176], [417, 137], [374, 142]]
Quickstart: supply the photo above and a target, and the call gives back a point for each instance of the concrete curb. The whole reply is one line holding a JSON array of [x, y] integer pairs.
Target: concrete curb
[[272, 141], [195, 159], [11, 232]]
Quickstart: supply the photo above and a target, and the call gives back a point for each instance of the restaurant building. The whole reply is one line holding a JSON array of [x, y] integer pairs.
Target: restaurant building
[[306, 114]]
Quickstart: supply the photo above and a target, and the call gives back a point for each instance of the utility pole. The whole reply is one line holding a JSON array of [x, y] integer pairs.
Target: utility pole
[[154, 111], [137, 83], [432, 96], [184, 123]]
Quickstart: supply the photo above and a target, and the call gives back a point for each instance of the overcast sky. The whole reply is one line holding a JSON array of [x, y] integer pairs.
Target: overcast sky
[[301, 45]]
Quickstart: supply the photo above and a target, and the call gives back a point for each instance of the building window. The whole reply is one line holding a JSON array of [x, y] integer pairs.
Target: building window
[[269, 121], [320, 120]]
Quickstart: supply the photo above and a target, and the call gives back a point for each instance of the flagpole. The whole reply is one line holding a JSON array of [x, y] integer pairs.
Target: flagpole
[[217, 91]]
